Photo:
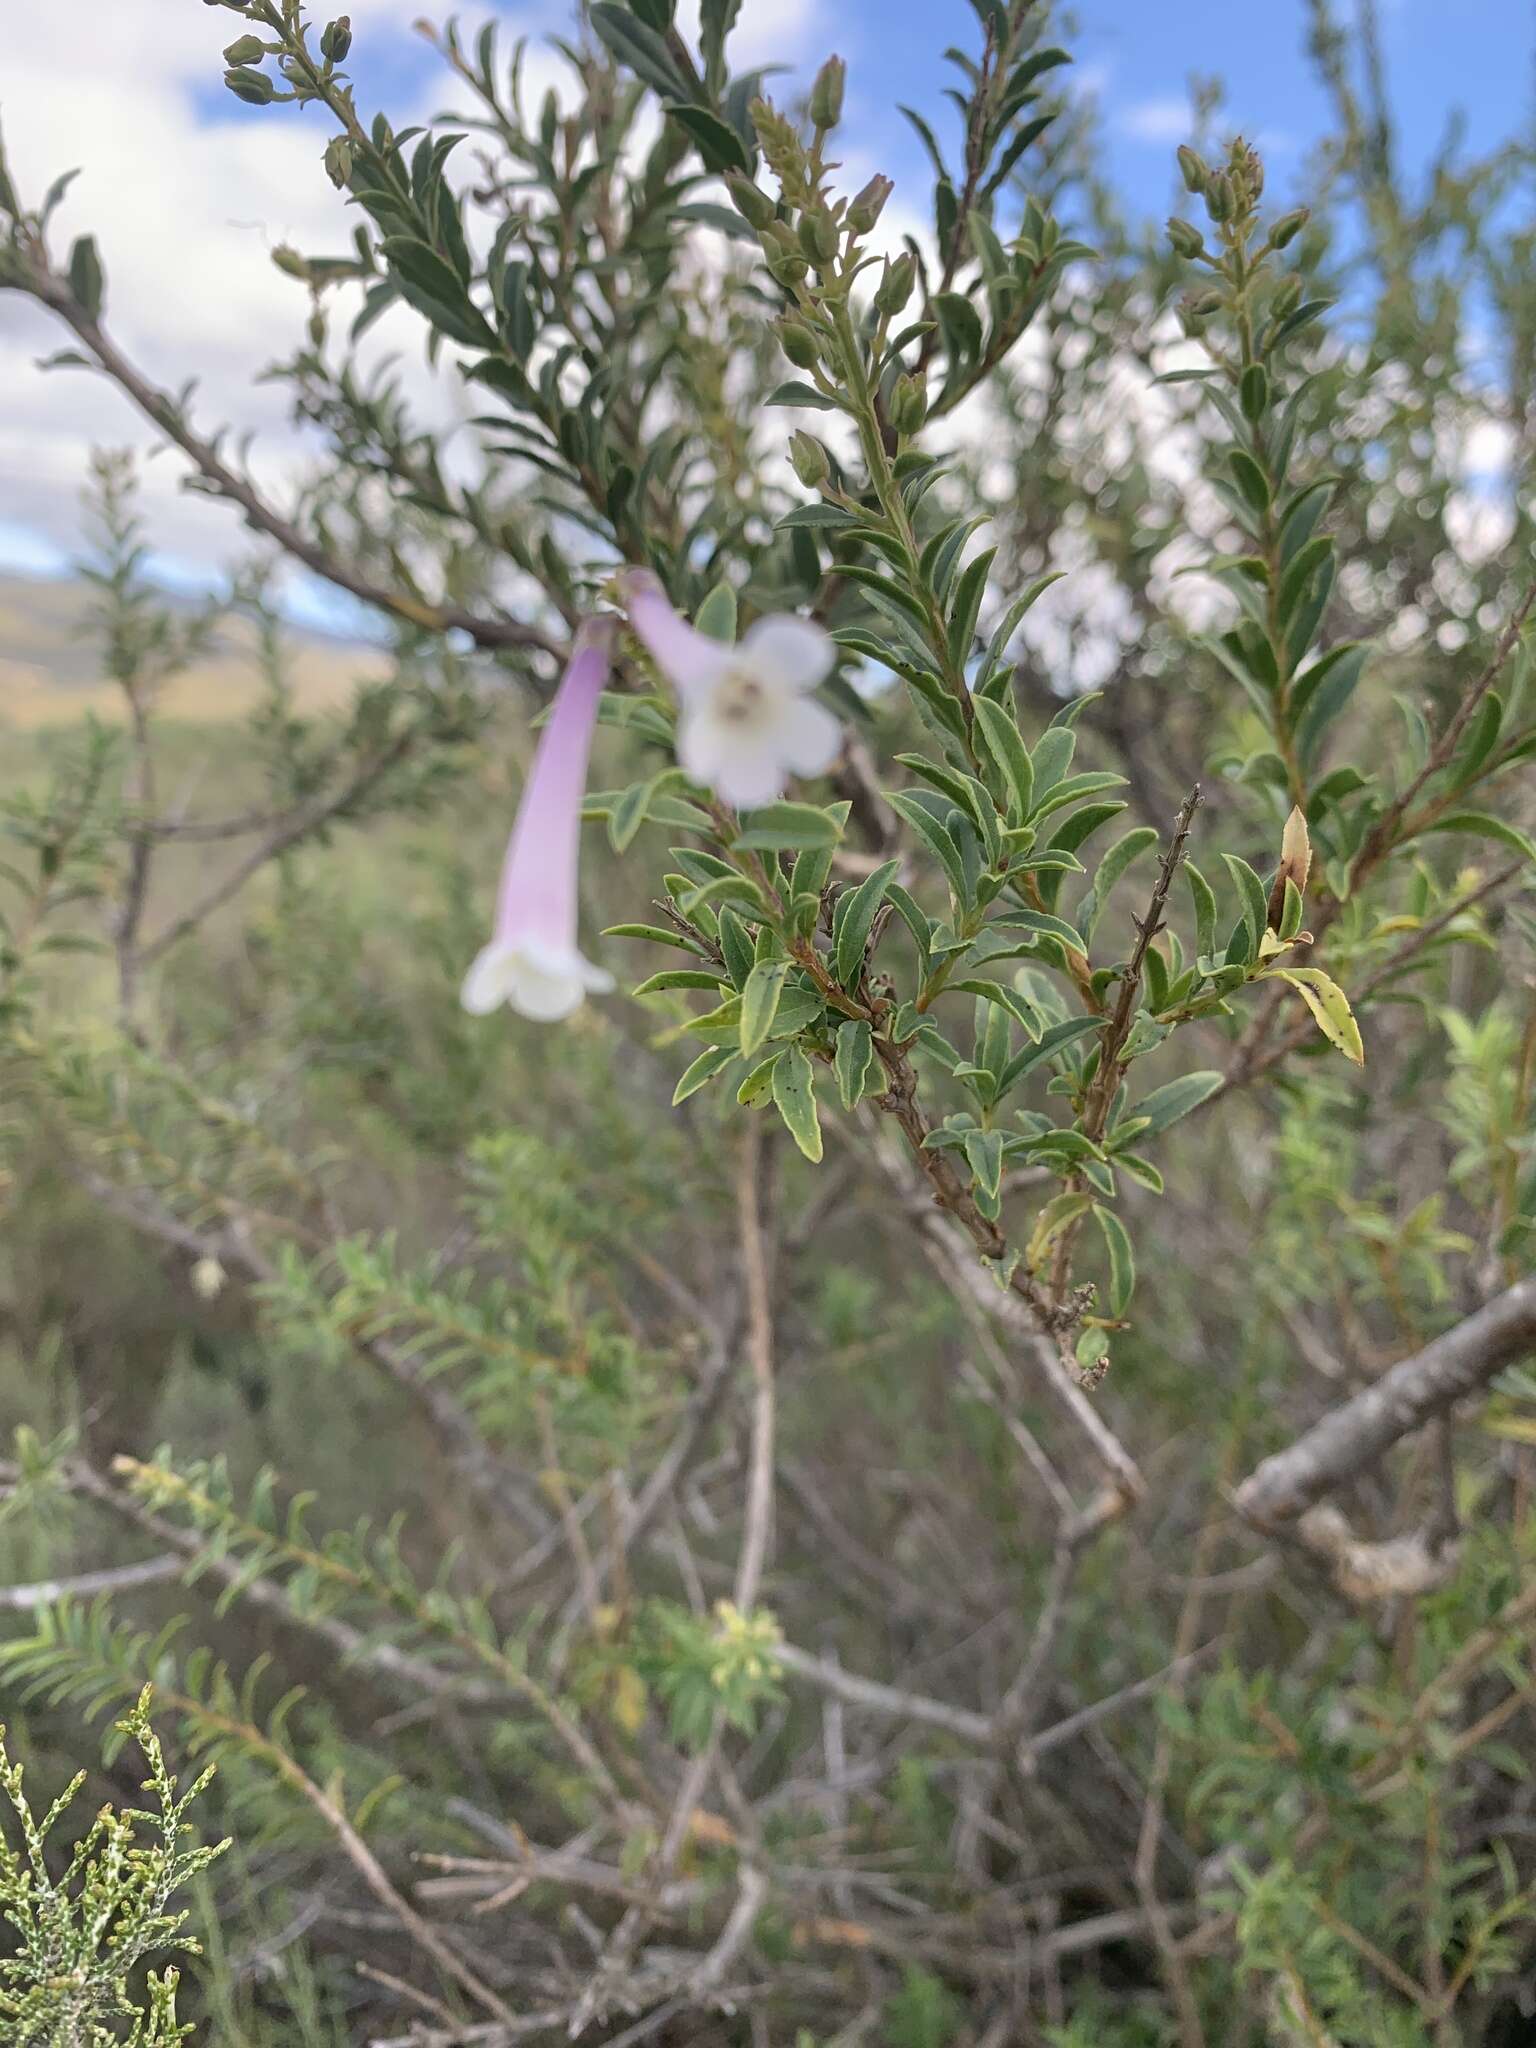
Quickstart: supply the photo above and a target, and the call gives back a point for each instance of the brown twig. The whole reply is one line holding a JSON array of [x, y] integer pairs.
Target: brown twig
[[53, 291], [1351, 1436]]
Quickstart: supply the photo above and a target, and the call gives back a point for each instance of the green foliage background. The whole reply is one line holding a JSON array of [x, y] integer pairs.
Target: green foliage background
[[424, 1364]]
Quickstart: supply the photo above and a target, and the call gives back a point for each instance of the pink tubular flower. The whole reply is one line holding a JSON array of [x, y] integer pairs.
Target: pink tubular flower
[[748, 719], [533, 962]]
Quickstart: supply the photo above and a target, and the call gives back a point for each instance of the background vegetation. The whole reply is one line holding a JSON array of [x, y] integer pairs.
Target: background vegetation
[[636, 1583]]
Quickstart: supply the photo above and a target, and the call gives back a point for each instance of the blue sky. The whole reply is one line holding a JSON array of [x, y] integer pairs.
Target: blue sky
[[1478, 56], [202, 299]]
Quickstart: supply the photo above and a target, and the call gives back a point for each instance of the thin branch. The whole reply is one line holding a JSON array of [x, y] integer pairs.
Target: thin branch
[[758, 1527], [1117, 1028], [951, 1255], [53, 291], [286, 832], [1358, 1431], [975, 1729], [154, 1571]]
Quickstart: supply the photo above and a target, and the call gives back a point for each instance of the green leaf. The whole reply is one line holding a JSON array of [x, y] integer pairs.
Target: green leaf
[[1320, 695], [1251, 479], [1047, 926], [1058, 1212], [1110, 869], [716, 616], [760, 1002], [1052, 1042], [704, 1068], [657, 934], [853, 918], [967, 605], [1329, 1006], [629, 812], [1165, 1105], [1051, 757], [857, 1064], [795, 826], [984, 1156], [716, 141], [794, 1095], [1481, 826], [1255, 902], [935, 837], [796, 393], [960, 324], [1005, 743], [818, 515], [86, 278], [1205, 908], [1122, 1259], [678, 977], [916, 923], [640, 48]]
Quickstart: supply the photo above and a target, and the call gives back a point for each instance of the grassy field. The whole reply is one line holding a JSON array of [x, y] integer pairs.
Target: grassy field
[[50, 665]]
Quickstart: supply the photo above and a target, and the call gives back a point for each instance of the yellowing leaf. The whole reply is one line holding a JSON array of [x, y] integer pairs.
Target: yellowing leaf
[[628, 1699], [1519, 1429], [1330, 1008]]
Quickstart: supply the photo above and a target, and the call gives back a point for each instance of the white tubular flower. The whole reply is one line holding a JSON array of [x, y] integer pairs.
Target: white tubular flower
[[748, 719], [533, 961]]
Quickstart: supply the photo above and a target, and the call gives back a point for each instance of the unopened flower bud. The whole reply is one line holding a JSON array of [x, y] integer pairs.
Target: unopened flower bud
[[1287, 297], [751, 202], [1247, 169], [1193, 167], [254, 87], [1198, 307], [909, 403], [336, 40], [338, 161], [785, 262], [245, 50], [818, 237], [290, 262], [809, 459], [827, 93], [799, 344], [1186, 238], [1288, 227], [866, 207], [1220, 199], [895, 286]]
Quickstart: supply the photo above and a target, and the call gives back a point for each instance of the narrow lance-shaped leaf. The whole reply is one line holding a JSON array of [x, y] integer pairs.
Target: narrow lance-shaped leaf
[[855, 916], [1330, 1006], [794, 1095], [760, 1002], [1122, 1259], [857, 1065]]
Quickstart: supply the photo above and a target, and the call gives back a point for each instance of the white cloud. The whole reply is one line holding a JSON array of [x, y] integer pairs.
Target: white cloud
[[186, 199], [1156, 120], [187, 196], [766, 30]]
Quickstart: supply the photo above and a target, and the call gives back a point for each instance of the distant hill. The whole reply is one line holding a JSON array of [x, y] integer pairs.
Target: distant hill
[[50, 667]]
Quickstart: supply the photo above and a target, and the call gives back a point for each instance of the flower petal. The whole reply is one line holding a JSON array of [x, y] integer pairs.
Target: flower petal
[[691, 662], [788, 652], [541, 982], [738, 762], [807, 737], [485, 985]]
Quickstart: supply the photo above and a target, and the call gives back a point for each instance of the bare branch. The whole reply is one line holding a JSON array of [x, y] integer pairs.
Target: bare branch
[[1354, 1434], [53, 291]]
